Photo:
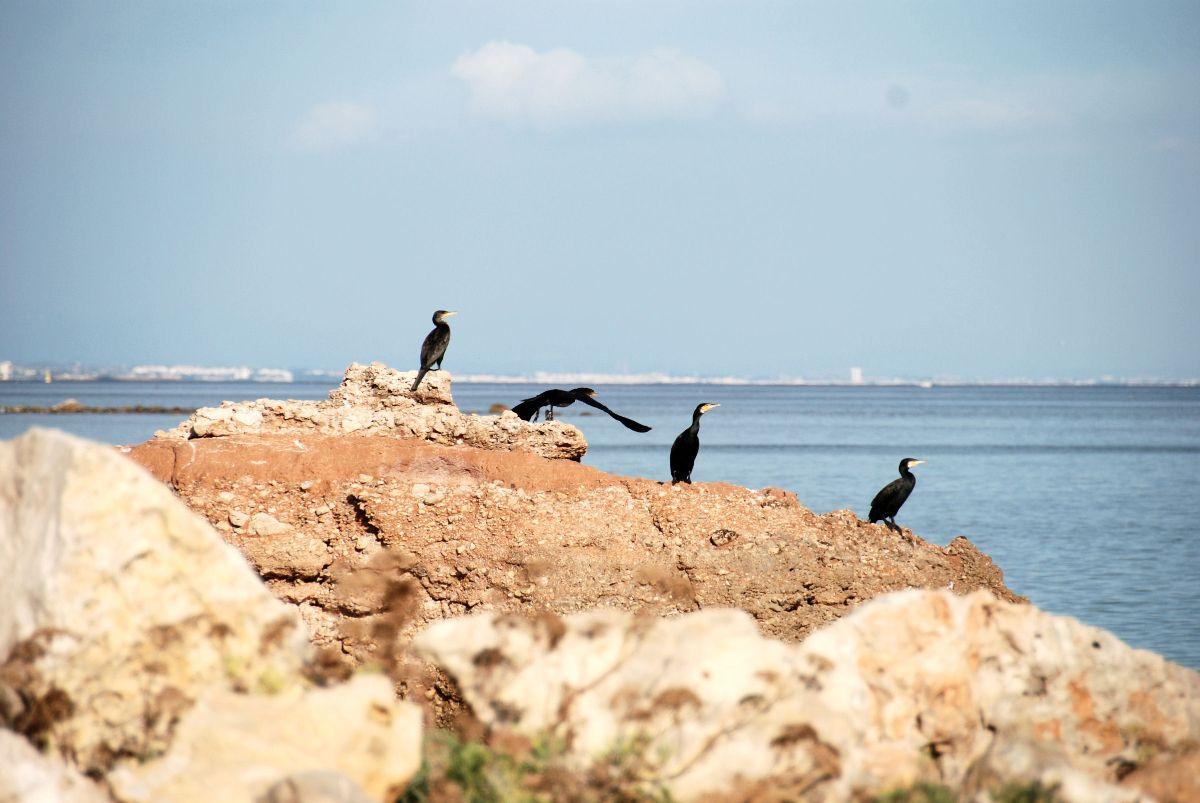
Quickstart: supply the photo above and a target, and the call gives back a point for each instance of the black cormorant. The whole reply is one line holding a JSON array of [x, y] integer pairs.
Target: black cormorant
[[687, 446], [434, 347], [891, 497], [528, 409]]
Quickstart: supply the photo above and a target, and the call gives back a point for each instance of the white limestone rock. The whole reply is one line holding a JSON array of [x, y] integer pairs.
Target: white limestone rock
[[374, 399], [121, 605], [237, 748], [970, 692], [27, 776]]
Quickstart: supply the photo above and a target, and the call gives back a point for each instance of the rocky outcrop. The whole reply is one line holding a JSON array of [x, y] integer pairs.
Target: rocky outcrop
[[141, 649], [376, 400], [971, 693], [132, 636], [337, 525], [334, 522]]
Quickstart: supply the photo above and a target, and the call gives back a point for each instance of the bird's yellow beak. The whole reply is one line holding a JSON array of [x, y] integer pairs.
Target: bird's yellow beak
[[918, 462], [448, 314]]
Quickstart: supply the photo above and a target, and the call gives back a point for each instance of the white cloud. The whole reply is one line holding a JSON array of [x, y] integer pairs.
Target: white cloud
[[515, 82], [329, 126]]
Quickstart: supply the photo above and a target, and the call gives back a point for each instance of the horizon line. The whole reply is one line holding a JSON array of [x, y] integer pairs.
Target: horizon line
[[76, 372]]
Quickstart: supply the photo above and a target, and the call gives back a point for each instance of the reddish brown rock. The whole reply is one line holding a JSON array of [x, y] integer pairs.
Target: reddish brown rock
[[463, 528]]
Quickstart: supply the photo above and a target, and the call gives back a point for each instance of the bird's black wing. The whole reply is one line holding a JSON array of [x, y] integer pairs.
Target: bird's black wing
[[628, 422], [434, 347], [527, 407], [889, 499]]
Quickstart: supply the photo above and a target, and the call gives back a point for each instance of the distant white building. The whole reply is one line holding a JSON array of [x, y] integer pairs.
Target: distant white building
[[856, 377], [273, 375], [6, 371], [205, 373], [194, 372]]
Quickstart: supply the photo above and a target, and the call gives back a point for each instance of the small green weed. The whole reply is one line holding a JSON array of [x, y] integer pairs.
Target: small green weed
[[924, 792], [921, 792], [1033, 792], [520, 771]]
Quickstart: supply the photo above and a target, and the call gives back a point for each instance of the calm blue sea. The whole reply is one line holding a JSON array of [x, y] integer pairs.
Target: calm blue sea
[[1086, 497]]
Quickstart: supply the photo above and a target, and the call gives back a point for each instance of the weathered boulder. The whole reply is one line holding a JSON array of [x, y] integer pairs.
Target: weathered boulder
[[120, 604], [238, 747], [132, 636], [467, 529], [970, 692], [376, 400], [27, 776]]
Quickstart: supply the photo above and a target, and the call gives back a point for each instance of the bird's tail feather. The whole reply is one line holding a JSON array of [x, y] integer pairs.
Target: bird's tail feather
[[527, 409], [420, 375]]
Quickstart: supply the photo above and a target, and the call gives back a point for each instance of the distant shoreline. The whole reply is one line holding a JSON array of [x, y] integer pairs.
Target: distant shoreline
[[72, 407], [600, 379]]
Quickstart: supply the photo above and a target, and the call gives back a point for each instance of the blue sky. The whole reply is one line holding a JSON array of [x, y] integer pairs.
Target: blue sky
[[759, 189]]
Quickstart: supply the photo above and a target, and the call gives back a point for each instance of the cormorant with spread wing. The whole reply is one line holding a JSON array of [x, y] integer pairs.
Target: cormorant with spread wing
[[528, 408], [434, 347], [687, 446], [891, 497]]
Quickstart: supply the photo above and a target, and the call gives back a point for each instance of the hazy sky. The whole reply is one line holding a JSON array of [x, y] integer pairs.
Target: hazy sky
[[984, 190]]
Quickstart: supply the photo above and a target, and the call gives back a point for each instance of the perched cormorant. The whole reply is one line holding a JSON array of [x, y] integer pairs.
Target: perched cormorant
[[528, 408], [892, 496], [434, 347], [687, 446]]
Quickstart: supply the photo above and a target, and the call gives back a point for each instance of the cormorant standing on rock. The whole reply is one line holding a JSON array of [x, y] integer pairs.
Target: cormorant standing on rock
[[891, 497], [434, 347], [528, 408], [687, 446]]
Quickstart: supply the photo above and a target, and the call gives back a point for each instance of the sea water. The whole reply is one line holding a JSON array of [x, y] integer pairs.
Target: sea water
[[1084, 496]]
